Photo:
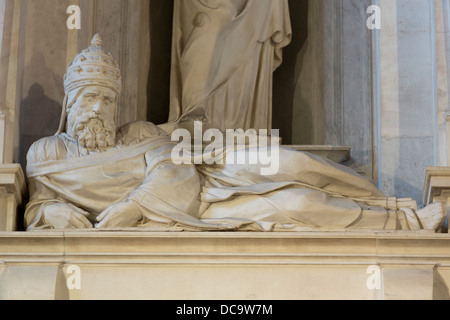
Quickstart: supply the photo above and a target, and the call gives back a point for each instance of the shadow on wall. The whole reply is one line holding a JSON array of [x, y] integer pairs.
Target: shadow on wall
[[39, 114], [39, 118], [158, 87], [287, 75]]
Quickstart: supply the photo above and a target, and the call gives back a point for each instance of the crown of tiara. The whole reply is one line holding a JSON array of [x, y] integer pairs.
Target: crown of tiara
[[93, 66]]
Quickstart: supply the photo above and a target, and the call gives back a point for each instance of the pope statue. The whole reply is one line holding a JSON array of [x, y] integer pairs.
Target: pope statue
[[94, 175]]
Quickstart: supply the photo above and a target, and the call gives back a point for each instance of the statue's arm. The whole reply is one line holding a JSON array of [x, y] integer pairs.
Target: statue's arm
[[45, 209], [167, 189], [34, 212]]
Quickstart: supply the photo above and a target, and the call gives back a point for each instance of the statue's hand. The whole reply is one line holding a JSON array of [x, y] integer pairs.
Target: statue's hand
[[120, 215], [66, 216]]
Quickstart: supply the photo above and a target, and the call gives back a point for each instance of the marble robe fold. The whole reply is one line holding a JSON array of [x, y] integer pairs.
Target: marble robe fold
[[308, 193]]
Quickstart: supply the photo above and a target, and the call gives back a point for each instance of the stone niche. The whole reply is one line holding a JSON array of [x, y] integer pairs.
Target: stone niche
[[316, 98]]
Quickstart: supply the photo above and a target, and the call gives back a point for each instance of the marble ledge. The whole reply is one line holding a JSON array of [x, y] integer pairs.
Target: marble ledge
[[339, 154], [371, 247], [437, 184], [125, 264], [12, 181]]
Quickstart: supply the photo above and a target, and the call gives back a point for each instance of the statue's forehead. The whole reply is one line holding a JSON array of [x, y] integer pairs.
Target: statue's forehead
[[99, 90]]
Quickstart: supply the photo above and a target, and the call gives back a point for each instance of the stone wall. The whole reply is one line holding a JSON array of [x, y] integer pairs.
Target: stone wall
[[408, 104], [333, 94]]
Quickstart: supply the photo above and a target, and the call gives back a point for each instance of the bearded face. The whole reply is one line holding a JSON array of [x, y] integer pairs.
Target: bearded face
[[91, 118]]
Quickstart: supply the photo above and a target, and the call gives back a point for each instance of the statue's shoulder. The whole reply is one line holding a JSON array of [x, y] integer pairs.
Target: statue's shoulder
[[138, 131], [47, 149]]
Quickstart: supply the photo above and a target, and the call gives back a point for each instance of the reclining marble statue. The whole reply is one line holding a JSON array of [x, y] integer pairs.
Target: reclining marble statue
[[92, 175]]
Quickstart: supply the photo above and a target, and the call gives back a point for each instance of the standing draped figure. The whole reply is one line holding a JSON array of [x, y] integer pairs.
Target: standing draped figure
[[224, 54]]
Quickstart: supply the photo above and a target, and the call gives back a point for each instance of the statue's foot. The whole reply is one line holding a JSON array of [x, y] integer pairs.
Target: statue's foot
[[429, 218]]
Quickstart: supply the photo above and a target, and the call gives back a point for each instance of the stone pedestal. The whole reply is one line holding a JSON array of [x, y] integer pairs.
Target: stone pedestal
[[437, 188], [13, 192], [188, 266], [337, 154]]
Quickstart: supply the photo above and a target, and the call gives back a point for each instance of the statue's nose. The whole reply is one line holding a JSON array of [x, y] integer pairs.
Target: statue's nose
[[97, 107]]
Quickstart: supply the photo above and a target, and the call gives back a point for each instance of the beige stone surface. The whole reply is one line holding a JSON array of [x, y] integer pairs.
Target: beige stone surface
[[337, 154], [145, 265], [437, 188], [13, 193]]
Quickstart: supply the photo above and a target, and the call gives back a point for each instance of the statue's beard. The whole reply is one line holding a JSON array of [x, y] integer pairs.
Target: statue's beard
[[94, 132]]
